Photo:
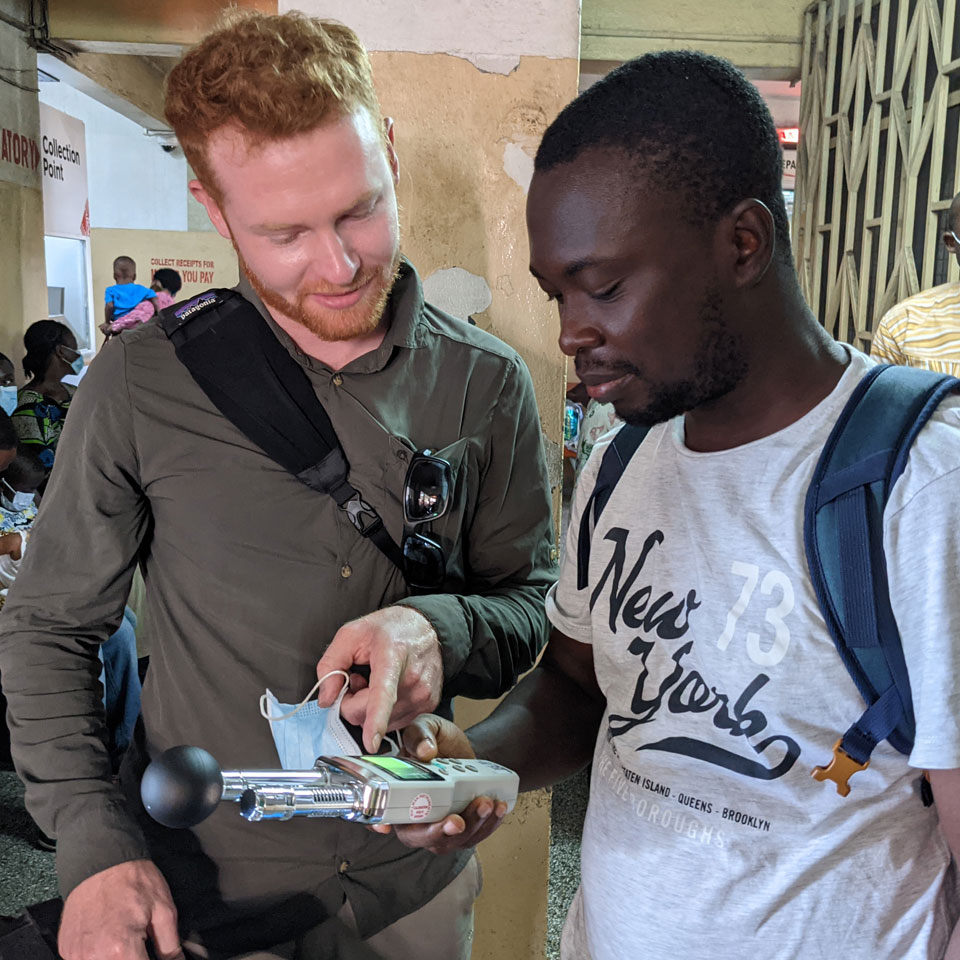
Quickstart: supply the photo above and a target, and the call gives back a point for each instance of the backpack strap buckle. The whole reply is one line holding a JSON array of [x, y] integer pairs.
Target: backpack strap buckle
[[840, 769], [361, 514]]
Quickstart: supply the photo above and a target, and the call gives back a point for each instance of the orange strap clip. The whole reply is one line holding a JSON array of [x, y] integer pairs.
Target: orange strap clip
[[840, 769]]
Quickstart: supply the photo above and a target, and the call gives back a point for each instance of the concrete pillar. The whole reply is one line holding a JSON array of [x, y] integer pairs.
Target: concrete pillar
[[23, 292], [471, 85]]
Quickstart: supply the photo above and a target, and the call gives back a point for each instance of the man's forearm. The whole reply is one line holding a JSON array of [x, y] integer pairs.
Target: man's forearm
[[545, 729]]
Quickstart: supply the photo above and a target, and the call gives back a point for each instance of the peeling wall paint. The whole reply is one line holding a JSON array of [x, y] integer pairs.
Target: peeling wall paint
[[494, 63], [458, 291], [518, 165]]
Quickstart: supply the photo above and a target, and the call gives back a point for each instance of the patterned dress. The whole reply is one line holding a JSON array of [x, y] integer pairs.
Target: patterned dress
[[38, 421]]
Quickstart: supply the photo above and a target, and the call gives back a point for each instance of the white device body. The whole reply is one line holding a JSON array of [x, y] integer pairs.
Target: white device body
[[371, 789]]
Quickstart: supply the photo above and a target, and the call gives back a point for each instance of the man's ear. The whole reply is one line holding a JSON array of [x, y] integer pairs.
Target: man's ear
[[202, 196], [949, 242], [392, 157], [754, 239]]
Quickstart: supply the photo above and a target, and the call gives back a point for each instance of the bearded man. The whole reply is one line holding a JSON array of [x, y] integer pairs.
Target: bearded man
[[252, 576]]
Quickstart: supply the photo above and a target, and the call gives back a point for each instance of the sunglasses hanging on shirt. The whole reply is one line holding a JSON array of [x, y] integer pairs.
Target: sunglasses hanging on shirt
[[427, 491]]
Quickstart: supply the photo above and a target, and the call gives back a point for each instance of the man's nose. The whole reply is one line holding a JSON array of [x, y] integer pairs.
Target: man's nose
[[336, 263], [577, 333]]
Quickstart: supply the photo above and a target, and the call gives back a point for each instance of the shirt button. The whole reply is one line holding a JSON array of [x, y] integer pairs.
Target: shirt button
[[337, 380], [346, 570], [402, 455], [344, 866]]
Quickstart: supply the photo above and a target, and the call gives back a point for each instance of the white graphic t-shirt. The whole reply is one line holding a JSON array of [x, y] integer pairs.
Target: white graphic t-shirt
[[706, 836]]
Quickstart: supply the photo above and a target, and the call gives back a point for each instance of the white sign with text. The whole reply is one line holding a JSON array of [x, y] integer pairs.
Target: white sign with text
[[63, 167]]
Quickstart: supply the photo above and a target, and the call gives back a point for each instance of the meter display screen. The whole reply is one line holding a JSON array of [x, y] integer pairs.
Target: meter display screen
[[402, 769]]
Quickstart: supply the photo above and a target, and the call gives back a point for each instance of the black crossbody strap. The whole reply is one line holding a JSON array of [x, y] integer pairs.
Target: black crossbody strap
[[238, 362]]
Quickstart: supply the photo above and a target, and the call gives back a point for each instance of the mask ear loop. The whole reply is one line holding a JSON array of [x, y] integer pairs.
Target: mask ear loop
[[264, 711], [773, 235]]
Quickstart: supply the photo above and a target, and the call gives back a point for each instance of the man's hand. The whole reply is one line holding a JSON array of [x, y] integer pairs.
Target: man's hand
[[112, 913], [406, 671], [427, 737]]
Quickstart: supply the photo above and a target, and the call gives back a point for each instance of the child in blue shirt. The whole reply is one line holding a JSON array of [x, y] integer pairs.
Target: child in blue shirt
[[124, 295]]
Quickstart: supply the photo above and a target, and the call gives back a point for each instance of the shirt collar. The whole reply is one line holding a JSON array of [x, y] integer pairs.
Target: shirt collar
[[404, 312]]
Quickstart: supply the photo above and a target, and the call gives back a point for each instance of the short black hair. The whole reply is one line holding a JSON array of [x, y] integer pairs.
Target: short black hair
[[693, 123], [26, 471], [125, 266], [169, 280], [8, 435]]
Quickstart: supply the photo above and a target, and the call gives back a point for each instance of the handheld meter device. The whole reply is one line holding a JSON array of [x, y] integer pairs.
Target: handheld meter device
[[184, 785]]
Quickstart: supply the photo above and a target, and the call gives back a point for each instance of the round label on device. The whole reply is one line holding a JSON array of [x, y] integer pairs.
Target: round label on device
[[420, 806]]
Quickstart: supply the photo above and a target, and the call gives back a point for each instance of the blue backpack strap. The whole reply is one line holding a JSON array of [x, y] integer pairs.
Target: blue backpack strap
[[614, 462], [843, 535]]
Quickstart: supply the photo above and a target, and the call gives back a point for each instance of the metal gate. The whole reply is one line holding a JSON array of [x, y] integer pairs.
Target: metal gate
[[878, 162]]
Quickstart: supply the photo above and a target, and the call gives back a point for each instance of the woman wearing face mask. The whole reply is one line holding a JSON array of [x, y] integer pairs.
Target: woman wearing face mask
[[18, 509], [42, 404], [8, 385]]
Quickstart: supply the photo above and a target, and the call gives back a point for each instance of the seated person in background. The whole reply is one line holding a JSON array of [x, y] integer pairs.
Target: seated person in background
[[42, 404], [8, 385], [125, 294], [18, 509], [19, 484], [924, 330], [167, 284]]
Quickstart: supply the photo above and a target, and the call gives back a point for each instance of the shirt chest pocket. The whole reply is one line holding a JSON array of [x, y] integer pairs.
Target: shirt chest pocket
[[451, 530]]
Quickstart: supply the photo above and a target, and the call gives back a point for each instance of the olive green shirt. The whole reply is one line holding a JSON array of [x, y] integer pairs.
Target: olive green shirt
[[249, 574]]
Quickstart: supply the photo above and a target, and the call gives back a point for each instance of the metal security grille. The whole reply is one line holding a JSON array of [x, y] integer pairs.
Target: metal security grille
[[878, 162]]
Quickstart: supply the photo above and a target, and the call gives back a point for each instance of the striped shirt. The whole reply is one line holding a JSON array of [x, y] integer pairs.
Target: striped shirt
[[922, 331]]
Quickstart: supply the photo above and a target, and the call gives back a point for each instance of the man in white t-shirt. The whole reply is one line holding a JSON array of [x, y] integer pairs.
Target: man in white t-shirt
[[696, 665]]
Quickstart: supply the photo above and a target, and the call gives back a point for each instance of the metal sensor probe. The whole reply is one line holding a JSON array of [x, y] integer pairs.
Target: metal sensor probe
[[185, 785]]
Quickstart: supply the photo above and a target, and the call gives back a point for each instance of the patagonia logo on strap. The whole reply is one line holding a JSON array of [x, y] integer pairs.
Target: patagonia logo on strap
[[196, 305]]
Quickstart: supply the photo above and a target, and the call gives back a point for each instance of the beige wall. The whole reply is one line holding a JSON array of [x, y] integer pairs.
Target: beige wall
[[462, 208], [22, 268], [23, 289]]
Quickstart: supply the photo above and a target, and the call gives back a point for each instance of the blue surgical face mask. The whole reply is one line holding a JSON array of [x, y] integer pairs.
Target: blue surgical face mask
[[8, 399], [302, 732], [76, 364], [16, 501]]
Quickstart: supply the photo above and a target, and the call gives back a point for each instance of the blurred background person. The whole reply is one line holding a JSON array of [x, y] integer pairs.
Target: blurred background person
[[167, 284], [20, 483], [43, 402], [924, 330], [8, 385], [124, 294]]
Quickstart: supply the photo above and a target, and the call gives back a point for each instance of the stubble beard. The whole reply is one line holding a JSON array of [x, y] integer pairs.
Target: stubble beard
[[719, 365], [360, 320]]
